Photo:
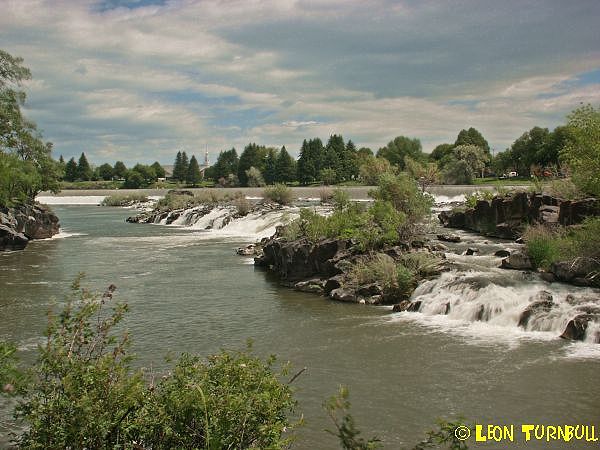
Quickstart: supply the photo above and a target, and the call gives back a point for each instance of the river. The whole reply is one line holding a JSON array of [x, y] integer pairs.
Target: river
[[189, 292]]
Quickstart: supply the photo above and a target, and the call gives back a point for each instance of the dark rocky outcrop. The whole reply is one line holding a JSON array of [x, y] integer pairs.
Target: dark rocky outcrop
[[505, 217], [580, 271], [20, 224]]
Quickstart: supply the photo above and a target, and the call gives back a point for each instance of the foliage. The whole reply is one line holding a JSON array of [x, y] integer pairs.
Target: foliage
[[563, 188], [472, 137], [457, 172], [328, 176], [472, 198], [278, 193], [475, 157], [285, 167], [123, 200], [254, 178], [421, 264], [345, 429], [119, 170], [84, 171], [227, 164], [193, 175], [105, 172], [399, 148], [19, 137], [403, 193], [441, 151], [83, 393], [445, 434], [230, 400], [242, 205], [326, 194], [252, 156], [310, 161], [547, 245], [582, 149], [424, 173], [372, 168], [158, 169], [340, 198]]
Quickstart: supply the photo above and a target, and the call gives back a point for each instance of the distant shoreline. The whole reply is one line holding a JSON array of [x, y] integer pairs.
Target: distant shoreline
[[356, 192]]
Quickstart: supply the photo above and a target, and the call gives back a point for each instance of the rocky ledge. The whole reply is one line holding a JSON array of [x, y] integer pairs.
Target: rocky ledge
[[506, 216], [20, 224], [323, 267]]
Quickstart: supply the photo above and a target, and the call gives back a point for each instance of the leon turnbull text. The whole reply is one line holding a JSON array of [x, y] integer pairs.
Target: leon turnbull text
[[548, 433]]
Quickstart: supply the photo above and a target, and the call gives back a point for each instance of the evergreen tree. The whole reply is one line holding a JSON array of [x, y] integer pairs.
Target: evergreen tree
[[310, 161], [61, 160], [271, 173], [193, 174], [119, 170], [84, 171], [227, 164], [71, 170], [253, 156], [179, 171], [349, 163], [285, 167], [185, 165]]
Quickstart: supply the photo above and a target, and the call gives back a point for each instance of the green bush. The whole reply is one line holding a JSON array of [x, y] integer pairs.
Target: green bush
[[564, 189], [123, 200], [83, 392], [278, 193], [472, 198], [404, 194], [242, 205], [545, 245]]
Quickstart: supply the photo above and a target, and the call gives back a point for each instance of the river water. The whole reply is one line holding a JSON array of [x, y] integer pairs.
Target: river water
[[189, 292]]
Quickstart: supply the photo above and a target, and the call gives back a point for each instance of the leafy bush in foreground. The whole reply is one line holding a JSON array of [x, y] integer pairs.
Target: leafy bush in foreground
[[83, 393]]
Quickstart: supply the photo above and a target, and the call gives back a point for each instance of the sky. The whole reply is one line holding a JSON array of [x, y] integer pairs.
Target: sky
[[138, 80]]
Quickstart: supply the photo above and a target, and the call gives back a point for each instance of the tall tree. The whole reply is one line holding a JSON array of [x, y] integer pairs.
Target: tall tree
[[227, 164], [285, 167], [105, 172], [158, 169], [185, 166], [472, 137], [401, 146], [71, 170], [253, 156], [310, 161], [270, 172], [84, 171], [119, 170], [193, 174], [179, 169]]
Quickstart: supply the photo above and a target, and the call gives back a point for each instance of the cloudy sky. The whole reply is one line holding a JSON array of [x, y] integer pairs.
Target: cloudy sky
[[138, 79]]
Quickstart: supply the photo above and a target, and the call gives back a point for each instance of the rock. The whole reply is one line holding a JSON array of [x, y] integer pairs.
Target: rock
[[23, 223], [437, 247], [374, 300], [576, 328], [502, 253], [333, 283], [542, 302], [11, 240], [402, 306], [314, 286], [370, 290], [574, 212], [582, 269], [449, 237], [180, 192], [248, 250], [414, 306], [549, 214], [343, 295], [548, 277], [471, 251], [517, 261]]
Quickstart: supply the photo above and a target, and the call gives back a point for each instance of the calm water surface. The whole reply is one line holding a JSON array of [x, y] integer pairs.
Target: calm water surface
[[189, 293]]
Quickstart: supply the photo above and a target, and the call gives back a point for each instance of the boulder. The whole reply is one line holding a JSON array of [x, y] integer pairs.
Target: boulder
[[471, 251], [370, 290], [540, 303], [314, 286], [576, 328], [333, 283], [11, 240], [502, 253], [414, 306], [23, 223], [248, 250], [344, 295], [517, 261], [582, 269]]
